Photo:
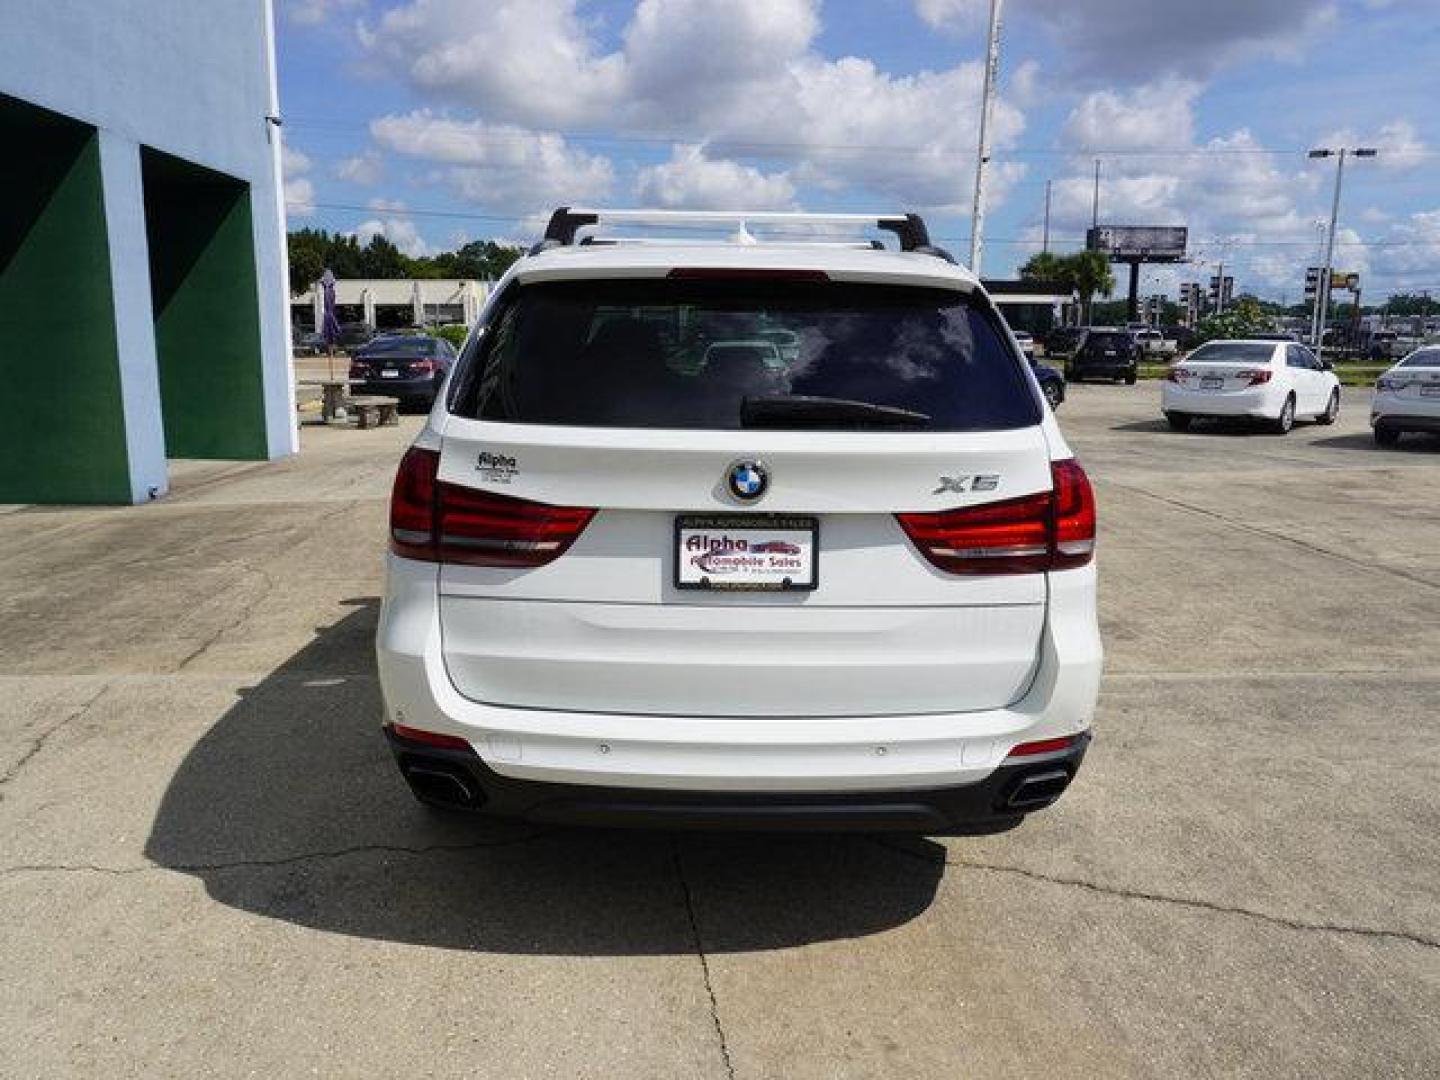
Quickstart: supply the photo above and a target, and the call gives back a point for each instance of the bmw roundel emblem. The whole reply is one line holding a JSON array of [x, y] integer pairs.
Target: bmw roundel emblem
[[747, 480]]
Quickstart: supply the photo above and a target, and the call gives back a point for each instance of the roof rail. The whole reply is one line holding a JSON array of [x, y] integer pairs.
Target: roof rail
[[566, 222]]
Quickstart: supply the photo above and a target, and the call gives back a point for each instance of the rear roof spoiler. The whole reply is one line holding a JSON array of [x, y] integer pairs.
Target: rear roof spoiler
[[566, 223]]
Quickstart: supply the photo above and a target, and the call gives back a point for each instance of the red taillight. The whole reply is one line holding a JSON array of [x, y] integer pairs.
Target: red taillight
[[1053, 530], [1042, 746], [422, 367], [1256, 377], [431, 738], [412, 505], [1074, 515], [439, 522]]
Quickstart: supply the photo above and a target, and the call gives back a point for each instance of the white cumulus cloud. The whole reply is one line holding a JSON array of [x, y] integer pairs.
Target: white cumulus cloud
[[500, 166], [692, 180]]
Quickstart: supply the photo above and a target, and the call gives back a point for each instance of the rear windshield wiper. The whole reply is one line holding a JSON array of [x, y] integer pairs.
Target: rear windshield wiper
[[796, 410]]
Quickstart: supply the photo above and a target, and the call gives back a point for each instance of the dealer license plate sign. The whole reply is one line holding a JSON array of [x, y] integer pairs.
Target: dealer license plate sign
[[733, 552]]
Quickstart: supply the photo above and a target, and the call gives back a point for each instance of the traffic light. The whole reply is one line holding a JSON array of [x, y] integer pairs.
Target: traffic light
[[1214, 292], [1312, 282], [1227, 289]]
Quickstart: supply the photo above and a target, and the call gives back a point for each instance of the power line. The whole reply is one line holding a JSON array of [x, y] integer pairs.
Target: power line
[[759, 146], [418, 211]]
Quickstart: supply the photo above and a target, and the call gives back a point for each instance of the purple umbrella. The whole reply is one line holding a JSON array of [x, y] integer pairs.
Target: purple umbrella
[[331, 328]]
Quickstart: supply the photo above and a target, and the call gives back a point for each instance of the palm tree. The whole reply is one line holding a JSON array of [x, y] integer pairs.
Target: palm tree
[[1046, 266], [1090, 273]]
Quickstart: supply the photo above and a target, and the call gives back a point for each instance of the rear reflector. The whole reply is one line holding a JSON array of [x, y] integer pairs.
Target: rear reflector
[[1052, 530], [1042, 746], [430, 738], [438, 522]]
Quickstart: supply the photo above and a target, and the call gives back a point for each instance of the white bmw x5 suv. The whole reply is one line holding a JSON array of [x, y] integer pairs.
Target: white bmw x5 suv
[[752, 534]]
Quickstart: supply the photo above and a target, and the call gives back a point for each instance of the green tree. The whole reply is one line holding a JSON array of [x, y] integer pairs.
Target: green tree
[[380, 258], [1091, 274], [1046, 266], [1412, 304], [307, 264], [1245, 318]]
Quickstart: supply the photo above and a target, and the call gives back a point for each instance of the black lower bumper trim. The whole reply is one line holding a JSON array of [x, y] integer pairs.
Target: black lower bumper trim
[[1419, 424], [998, 802]]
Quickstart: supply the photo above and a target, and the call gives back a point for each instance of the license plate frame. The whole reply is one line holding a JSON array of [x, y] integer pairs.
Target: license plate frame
[[1430, 389], [1212, 382], [389, 373], [800, 531]]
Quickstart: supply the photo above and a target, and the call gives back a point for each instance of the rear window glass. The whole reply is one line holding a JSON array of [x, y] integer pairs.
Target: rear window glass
[[676, 353], [1108, 341], [1422, 358], [1232, 352], [401, 346]]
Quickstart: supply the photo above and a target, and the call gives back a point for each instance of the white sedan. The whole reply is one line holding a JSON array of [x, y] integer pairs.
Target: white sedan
[[1273, 381], [1407, 397]]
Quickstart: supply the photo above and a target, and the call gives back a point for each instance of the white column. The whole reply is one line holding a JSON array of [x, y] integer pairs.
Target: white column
[[272, 267], [417, 304], [367, 300], [124, 195]]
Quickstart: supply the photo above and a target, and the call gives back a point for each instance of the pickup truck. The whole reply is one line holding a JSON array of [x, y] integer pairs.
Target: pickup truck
[[1155, 345]]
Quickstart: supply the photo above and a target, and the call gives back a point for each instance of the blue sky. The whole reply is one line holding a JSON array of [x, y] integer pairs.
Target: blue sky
[[437, 121]]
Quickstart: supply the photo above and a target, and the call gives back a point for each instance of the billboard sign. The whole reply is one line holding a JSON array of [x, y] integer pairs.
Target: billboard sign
[[1146, 243]]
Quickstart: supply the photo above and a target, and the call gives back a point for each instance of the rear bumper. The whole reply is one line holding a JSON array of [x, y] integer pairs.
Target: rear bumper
[[1405, 414], [410, 389], [743, 755], [460, 780], [1101, 369], [1261, 403]]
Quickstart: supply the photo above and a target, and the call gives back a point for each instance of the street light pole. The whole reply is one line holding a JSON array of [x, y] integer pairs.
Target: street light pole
[[1320, 234], [1328, 268], [987, 102]]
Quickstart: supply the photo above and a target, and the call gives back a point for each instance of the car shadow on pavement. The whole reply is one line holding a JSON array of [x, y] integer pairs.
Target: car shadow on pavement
[[1416, 444], [1201, 427], [291, 807]]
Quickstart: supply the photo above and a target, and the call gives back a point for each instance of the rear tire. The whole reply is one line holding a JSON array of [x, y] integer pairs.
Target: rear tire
[[1179, 421], [1386, 436], [1282, 424], [1131, 378], [1332, 409]]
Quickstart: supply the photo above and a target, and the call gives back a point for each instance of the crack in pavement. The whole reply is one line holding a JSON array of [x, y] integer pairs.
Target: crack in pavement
[[38, 743], [704, 960], [1176, 901], [1270, 534], [269, 584], [262, 864]]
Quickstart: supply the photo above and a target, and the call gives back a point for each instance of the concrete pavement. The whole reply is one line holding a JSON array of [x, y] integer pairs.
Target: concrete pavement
[[208, 865]]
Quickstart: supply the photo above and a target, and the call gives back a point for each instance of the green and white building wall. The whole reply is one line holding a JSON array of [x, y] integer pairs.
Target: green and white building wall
[[143, 296]]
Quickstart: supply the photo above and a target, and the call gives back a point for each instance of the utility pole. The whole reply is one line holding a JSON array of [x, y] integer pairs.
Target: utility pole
[[987, 102], [1095, 202], [1328, 268], [1315, 307], [1045, 243]]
